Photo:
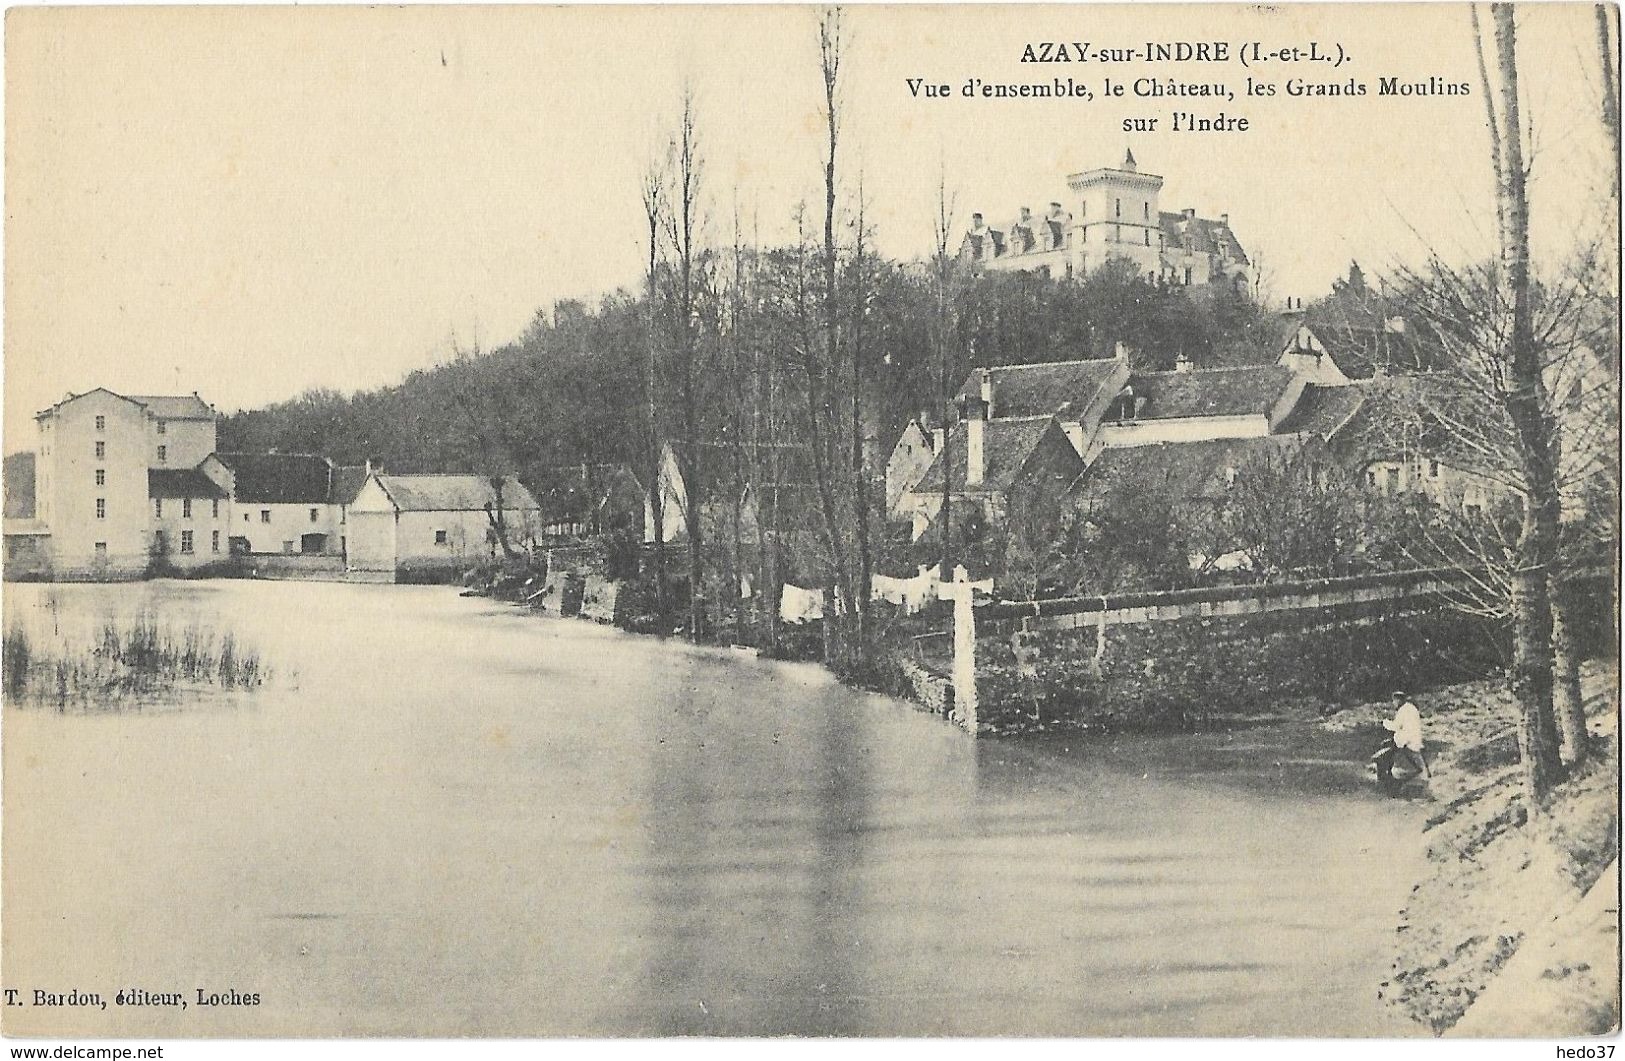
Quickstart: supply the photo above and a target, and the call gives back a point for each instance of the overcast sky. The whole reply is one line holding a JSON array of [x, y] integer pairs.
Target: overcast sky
[[250, 202]]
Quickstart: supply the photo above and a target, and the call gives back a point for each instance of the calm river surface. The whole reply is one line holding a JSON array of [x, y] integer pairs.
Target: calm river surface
[[447, 817]]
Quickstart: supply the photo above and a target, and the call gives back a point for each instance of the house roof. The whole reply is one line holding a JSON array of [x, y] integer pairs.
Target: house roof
[[1187, 469], [1046, 388], [453, 493], [1248, 390], [163, 406], [280, 478], [1207, 236], [175, 406], [1006, 446], [181, 482], [1323, 411], [348, 479]]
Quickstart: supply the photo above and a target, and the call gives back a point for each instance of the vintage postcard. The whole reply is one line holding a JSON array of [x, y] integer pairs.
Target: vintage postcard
[[887, 521]]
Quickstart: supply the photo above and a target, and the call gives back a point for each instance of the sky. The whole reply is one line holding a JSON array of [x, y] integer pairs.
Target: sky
[[251, 202]]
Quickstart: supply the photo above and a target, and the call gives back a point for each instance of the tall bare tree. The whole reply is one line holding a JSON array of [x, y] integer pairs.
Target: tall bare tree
[[652, 189], [944, 332], [684, 223]]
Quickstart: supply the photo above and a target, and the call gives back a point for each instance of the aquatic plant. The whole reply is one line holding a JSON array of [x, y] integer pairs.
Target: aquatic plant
[[140, 657]]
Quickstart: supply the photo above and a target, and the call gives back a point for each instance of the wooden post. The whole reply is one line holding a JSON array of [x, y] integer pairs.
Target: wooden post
[[960, 592]]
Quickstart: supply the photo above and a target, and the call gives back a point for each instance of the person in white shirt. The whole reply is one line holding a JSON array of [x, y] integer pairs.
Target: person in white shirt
[[1406, 727]]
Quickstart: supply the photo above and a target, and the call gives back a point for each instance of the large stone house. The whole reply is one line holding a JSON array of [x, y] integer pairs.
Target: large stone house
[[1111, 214], [95, 504]]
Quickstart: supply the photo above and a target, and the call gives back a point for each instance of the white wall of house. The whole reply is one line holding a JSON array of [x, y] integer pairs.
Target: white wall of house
[[674, 501], [178, 443], [96, 527], [910, 460], [432, 539], [1308, 360], [193, 535], [280, 528], [1182, 429]]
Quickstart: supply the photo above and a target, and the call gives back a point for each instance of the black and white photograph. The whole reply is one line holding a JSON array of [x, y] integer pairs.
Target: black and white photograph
[[936, 521]]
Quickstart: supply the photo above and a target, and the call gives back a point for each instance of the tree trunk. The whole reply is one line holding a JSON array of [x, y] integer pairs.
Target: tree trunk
[[1537, 542], [1567, 699]]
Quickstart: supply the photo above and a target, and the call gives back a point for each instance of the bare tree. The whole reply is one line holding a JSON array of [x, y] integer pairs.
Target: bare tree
[[652, 189], [944, 274], [684, 222], [1525, 400]]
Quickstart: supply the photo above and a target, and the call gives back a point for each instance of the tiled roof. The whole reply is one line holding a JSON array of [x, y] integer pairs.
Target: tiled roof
[[164, 406], [1044, 389], [1186, 469], [1206, 235], [181, 482], [280, 478], [1247, 391], [1006, 446], [175, 406], [1323, 411], [453, 493], [347, 482], [1362, 351]]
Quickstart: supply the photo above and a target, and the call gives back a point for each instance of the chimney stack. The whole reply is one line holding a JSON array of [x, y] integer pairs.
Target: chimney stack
[[1190, 213], [939, 436], [987, 390], [1184, 364], [975, 441], [1224, 219], [1120, 351], [975, 221]]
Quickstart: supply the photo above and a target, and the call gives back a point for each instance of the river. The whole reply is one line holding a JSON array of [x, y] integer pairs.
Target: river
[[443, 816]]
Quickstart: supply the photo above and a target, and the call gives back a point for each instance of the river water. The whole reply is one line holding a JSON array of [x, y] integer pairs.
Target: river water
[[443, 816]]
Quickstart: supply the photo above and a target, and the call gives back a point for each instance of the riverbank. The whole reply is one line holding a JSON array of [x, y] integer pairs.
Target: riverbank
[[1494, 882]]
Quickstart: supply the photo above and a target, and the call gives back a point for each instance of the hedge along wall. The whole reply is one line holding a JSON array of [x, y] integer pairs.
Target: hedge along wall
[[1171, 660]]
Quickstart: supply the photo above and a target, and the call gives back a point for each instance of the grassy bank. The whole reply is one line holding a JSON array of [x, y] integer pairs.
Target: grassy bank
[[127, 661], [1492, 876]]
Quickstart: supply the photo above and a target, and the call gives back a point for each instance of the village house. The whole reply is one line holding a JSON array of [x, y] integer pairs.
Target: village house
[[991, 466], [1111, 214], [1193, 405], [430, 525], [94, 505], [282, 502]]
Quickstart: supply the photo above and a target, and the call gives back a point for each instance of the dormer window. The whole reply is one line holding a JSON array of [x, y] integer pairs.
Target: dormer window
[[1123, 406]]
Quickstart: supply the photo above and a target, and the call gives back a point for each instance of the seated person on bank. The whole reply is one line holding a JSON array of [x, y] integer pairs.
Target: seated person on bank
[[1406, 742]]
